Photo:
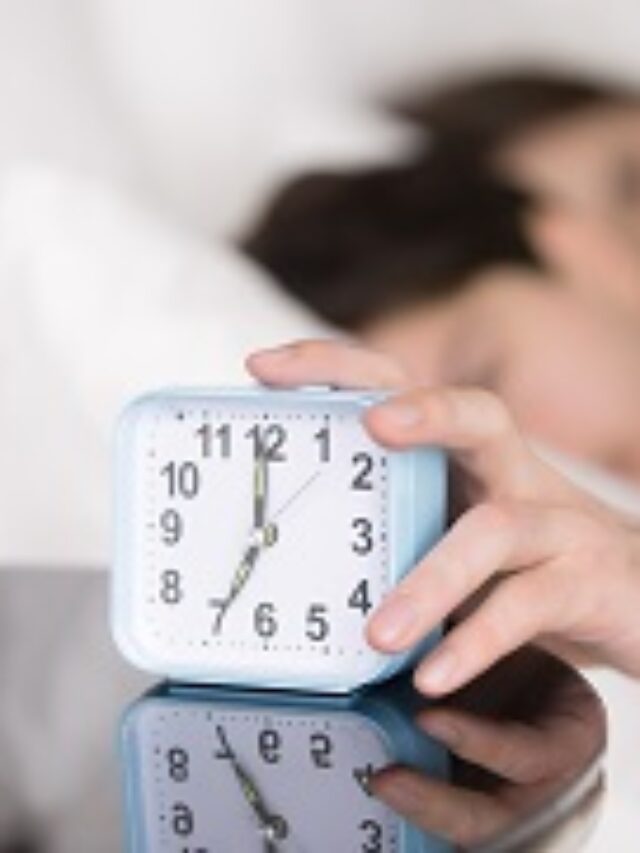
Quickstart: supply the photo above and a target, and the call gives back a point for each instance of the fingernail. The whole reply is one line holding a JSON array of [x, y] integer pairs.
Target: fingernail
[[402, 415], [437, 674], [404, 794], [276, 353], [394, 621]]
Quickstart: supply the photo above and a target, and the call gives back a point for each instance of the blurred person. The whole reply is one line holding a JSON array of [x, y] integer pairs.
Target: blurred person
[[506, 253]]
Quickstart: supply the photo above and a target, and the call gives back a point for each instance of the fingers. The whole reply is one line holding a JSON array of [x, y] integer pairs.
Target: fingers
[[459, 815], [487, 541], [325, 362], [517, 611], [473, 424], [520, 753]]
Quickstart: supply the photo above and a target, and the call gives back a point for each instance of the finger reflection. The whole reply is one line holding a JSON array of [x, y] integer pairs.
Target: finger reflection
[[524, 739]]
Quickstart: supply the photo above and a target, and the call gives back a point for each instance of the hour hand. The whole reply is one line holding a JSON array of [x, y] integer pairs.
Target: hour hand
[[240, 577], [273, 827]]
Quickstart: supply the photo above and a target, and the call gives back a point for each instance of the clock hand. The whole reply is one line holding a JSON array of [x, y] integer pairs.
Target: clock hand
[[260, 487], [240, 577], [294, 497], [273, 826], [263, 537]]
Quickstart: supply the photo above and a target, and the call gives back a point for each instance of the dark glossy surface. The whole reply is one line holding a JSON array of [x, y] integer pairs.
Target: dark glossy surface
[[529, 737]]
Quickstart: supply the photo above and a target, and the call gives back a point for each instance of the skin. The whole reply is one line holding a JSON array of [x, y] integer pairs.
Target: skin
[[530, 558], [532, 758], [561, 347]]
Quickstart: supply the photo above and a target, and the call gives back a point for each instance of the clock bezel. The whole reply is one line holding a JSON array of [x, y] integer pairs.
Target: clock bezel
[[416, 496]]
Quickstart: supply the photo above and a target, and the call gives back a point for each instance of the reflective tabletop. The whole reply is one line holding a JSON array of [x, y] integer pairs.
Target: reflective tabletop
[[98, 757]]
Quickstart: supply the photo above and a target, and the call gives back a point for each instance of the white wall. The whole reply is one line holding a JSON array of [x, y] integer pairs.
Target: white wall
[[200, 104]]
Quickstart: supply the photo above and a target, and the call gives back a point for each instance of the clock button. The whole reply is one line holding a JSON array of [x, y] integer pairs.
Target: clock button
[[317, 388]]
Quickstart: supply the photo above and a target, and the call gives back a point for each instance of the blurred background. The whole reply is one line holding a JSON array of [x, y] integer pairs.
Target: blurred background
[[202, 106]]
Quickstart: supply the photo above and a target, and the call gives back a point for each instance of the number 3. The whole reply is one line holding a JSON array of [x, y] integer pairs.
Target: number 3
[[363, 542]]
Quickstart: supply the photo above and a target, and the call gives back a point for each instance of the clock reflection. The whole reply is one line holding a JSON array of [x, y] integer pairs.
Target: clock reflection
[[499, 766], [219, 770]]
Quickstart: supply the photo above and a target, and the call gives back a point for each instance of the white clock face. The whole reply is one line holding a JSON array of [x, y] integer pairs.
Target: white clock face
[[229, 778], [259, 538]]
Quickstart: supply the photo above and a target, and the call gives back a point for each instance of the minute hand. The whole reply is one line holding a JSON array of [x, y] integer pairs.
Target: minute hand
[[260, 489]]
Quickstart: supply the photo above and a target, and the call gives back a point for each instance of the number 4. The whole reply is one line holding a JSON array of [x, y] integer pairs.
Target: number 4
[[359, 598]]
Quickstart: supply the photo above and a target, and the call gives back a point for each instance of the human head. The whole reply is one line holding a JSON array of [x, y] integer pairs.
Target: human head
[[476, 261], [573, 139]]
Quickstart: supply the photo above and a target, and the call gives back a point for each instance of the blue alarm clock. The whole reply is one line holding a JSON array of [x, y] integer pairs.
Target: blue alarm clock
[[257, 529], [211, 769]]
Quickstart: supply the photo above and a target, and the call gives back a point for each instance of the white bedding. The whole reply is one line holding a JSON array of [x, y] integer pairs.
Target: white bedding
[[100, 300]]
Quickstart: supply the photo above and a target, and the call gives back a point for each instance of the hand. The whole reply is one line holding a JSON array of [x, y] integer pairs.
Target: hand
[[530, 557], [532, 752]]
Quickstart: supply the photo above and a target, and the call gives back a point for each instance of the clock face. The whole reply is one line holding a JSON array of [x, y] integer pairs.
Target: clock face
[[229, 777], [258, 537]]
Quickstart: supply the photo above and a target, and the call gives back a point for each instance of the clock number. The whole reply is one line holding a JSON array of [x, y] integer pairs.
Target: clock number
[[359, 598], [224, 752], [264, 620], [317, 623], [171, 526], [178, 761], [373, 831], [170, 590], [323, 437], [182, 479], [206, 434], [321, 749], [182, 820], [269, 744], [269, 440], [363, 776], [363, 463], [363, 542]]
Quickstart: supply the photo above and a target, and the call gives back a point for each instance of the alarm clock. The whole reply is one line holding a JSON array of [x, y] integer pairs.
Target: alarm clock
[[257, 529], [217, 770]]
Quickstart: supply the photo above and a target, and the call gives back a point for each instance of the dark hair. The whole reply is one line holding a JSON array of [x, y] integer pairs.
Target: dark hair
[[354, 246], [476, 117]]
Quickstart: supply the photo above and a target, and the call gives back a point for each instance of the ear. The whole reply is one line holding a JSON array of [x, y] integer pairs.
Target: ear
[[588, 253]]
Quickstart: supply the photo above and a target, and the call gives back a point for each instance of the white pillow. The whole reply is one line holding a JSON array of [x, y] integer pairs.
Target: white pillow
[[100, 300]]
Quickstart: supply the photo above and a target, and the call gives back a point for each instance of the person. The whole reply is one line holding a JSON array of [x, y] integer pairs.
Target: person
[[529, 558], [505, 253]]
